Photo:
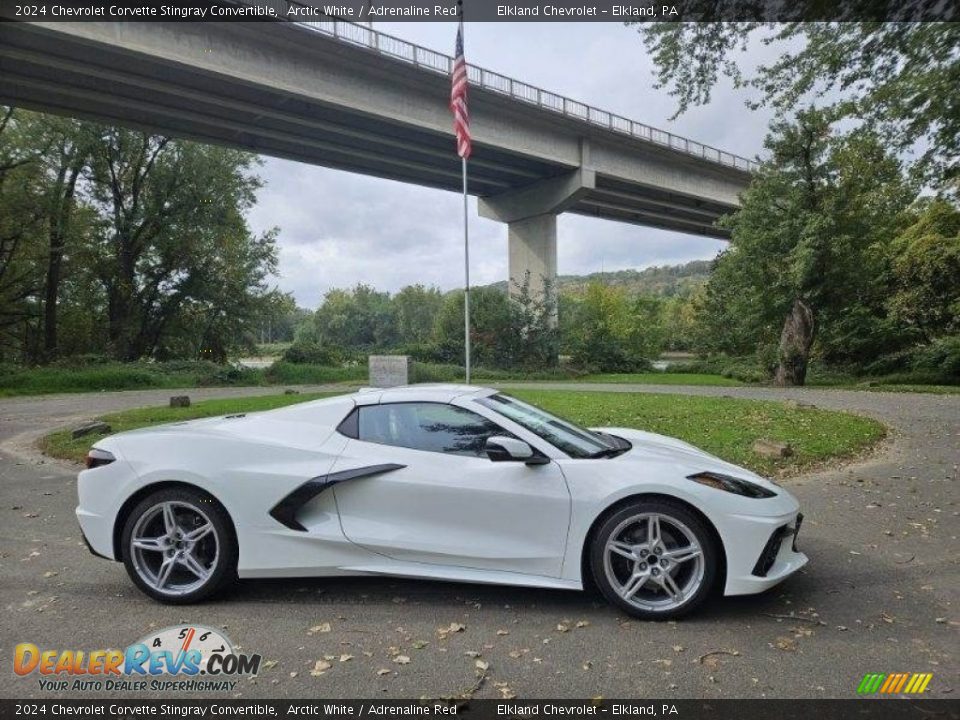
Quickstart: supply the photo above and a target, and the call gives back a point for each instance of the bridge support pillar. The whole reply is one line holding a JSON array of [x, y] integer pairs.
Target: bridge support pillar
[[530, 213], [532, 248]]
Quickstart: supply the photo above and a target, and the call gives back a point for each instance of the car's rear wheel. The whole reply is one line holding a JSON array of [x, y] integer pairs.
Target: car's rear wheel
[[654, 559], [178, 546]]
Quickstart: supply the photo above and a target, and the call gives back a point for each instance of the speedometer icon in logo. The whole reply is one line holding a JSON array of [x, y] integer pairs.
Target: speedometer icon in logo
[[179, 640]]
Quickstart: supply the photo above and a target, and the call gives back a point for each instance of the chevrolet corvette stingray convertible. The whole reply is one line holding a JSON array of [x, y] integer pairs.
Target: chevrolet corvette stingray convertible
[[446, 482]]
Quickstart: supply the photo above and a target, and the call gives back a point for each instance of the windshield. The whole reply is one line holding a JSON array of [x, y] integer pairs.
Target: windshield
[[574, 440]]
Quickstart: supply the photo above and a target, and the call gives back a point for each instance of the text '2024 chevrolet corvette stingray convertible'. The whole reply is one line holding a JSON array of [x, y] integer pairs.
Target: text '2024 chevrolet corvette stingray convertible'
[[442, 482]]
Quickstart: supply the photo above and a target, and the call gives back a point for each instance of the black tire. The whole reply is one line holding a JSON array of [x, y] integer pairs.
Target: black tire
[[222, 566], [706, 571]]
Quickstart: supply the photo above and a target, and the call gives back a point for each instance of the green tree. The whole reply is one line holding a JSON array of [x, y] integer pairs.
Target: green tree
[[357, 319], [609, 331], [279, 318], [415, 308], [176, 248], [532, 340], [490, 323], [926, 272], [898, 78], [21, 231], [804, 242], [679, 320], [68, 147]]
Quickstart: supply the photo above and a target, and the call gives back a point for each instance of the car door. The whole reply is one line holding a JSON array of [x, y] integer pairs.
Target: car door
[[440, 500]]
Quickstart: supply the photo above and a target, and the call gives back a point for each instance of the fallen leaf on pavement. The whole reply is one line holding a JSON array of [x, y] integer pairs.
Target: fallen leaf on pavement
[[786, 644], [320, 668]]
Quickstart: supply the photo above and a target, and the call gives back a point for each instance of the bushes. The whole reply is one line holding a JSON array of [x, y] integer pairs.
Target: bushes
[[744, 369], [57, 379], [937, 363], [284, 373], [941, 357], [95, 375], [311, 353]]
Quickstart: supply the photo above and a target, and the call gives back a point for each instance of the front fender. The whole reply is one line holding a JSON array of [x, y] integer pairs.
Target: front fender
[[742, 524]]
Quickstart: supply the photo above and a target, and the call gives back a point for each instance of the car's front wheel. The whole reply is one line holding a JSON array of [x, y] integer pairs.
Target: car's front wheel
[[654, 559], [178, 546]]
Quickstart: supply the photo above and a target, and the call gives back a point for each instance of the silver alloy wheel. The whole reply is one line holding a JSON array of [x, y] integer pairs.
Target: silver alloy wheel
[[174, 547], [654, 562]]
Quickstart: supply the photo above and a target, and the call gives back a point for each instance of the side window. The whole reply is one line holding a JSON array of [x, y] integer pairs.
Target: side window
[[434, 427]]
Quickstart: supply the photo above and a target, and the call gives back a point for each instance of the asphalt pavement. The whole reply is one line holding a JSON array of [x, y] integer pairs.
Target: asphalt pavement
[[879, 595]]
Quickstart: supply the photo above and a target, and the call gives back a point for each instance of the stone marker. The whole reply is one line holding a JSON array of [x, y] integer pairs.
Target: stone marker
[[180, 401], [389, 370], [100, 428], [772, 449]]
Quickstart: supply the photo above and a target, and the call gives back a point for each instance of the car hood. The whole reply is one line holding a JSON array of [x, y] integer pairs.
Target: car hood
[[651, 447]]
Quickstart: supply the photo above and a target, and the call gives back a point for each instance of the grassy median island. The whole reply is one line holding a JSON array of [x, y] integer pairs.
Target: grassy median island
[[726, 427]]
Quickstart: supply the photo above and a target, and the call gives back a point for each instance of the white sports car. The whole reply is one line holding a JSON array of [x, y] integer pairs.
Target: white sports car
[[446, 482]]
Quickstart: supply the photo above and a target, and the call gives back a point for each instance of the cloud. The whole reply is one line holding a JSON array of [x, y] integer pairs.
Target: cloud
[[338, 229]]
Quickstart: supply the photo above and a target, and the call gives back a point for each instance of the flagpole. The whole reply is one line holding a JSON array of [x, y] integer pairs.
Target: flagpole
[[466, 273], [466, 245]]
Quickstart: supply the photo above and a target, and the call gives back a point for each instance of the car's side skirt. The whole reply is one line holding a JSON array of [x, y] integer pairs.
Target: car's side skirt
[[423, 571]]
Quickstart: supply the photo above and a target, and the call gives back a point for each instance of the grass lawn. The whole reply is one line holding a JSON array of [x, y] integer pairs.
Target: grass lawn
[[725, 427], [931, 389], [662, 378]]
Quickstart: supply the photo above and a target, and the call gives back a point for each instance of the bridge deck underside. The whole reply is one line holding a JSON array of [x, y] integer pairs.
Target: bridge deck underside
[[55, 74]]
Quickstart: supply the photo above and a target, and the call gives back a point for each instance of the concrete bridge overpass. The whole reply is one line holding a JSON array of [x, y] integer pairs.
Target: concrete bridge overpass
[[340, 95]]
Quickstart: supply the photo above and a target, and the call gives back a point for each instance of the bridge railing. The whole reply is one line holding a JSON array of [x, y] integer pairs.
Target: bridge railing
[[434, 61]]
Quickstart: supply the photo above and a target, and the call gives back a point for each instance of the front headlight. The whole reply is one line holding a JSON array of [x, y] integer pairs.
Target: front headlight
[[731, 484]]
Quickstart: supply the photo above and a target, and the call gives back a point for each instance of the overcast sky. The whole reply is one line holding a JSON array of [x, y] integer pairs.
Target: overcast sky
[[338, 228]]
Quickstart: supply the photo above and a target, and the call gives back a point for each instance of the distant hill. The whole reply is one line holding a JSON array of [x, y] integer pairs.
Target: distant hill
[[665, 280]]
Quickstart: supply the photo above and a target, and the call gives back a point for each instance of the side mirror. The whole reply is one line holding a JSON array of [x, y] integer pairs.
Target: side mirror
[[507, 449]]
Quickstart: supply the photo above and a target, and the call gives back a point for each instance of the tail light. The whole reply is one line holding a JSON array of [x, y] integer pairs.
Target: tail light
[[97, 457]]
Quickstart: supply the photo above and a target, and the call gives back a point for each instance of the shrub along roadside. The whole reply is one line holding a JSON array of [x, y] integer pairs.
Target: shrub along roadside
[[97, 376], [111, 376], [108, 376], [726, 427]]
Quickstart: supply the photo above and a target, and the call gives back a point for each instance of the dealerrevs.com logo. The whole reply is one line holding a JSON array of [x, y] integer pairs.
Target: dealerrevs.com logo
[[894, 683], [183, 652]]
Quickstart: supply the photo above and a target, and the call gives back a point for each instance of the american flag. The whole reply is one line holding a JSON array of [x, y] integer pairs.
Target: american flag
[[458, 99]]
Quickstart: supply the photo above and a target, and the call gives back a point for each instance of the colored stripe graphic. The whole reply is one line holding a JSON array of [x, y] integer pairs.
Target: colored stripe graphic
[[894, 683], [871, 683]]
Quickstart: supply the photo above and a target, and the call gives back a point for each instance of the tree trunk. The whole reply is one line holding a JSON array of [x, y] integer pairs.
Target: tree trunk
[[60, 216], [121, 300], [51, 295], [795, 343]]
